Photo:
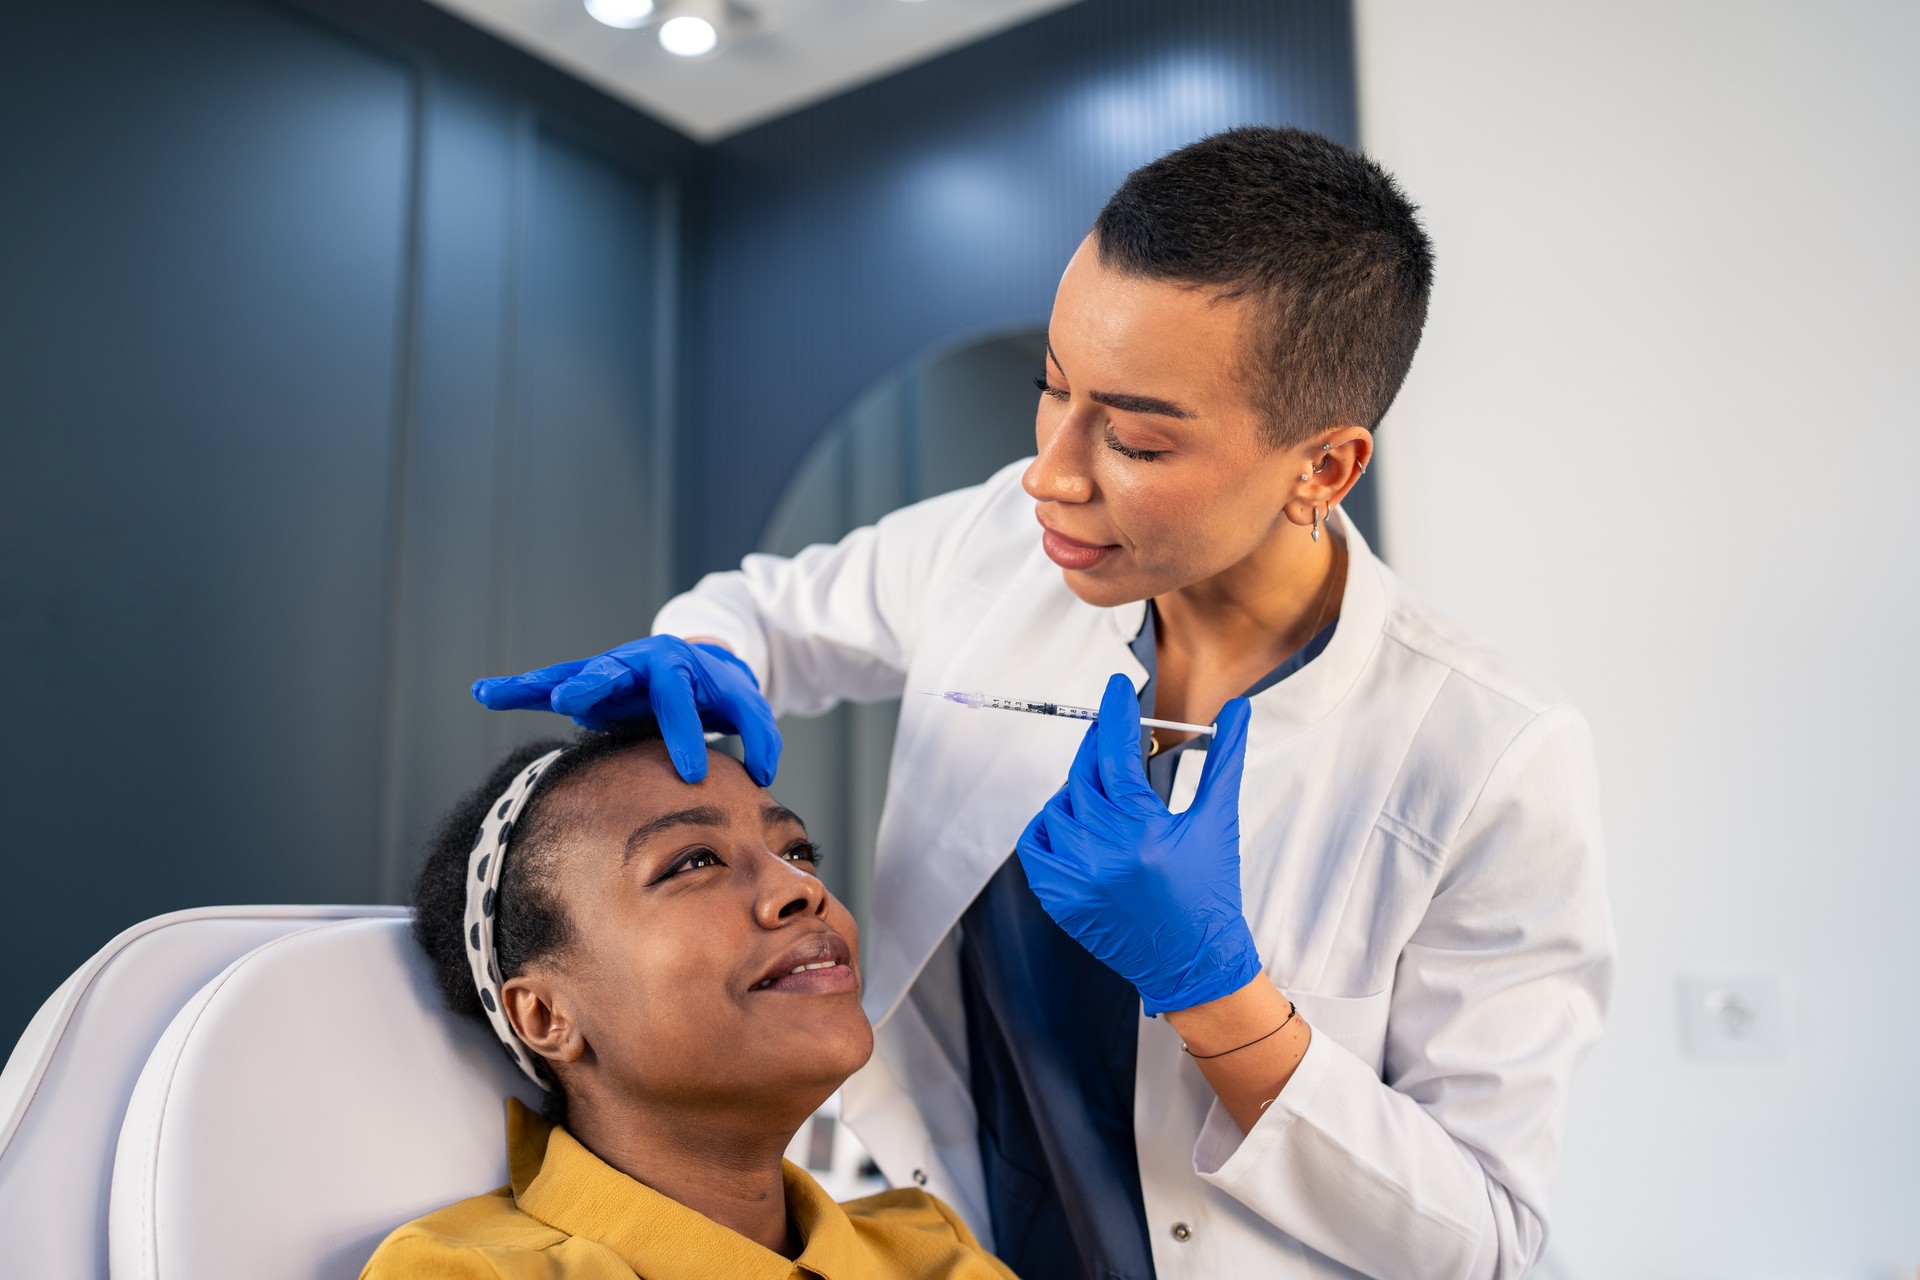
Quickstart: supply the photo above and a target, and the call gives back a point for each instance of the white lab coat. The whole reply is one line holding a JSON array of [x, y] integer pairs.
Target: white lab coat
[[1421, 866]]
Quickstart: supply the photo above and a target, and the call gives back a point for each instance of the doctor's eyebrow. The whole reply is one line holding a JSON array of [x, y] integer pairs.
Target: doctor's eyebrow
[[1128, 403], [1139, 404], [705, 815]]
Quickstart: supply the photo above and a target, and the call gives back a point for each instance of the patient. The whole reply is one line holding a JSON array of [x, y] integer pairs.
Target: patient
[[672, 966]]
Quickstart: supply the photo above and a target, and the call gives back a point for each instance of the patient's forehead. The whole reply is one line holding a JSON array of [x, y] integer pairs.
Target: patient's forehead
[[615, 793]]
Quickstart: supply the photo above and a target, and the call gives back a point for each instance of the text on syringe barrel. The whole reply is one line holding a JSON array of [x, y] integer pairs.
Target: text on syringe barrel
[[1042, 708]]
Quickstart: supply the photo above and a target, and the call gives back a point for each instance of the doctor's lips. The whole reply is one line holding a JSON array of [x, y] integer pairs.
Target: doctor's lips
[[1070, 553], [821, 964]]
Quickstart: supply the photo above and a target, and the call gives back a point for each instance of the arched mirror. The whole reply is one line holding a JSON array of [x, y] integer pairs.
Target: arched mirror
[[942, 421]]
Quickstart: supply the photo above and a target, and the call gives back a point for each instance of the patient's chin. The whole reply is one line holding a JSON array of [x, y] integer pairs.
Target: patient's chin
[[846, 1022], [838, 1040]]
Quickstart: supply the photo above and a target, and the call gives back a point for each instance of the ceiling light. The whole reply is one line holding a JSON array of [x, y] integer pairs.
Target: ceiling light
[[621, 13], [688, 36]]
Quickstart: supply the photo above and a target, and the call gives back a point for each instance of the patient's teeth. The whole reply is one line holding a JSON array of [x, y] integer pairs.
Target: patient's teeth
[[803, 968]]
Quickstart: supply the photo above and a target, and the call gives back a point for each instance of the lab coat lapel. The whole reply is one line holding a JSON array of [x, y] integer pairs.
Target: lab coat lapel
[[982, 775]]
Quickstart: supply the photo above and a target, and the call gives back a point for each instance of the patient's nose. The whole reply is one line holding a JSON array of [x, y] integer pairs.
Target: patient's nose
[[787, 891]]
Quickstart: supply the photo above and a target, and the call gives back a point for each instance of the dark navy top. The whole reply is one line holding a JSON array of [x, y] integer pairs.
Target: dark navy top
[[1051, 1042]]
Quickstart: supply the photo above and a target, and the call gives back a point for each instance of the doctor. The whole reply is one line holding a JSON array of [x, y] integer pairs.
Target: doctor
[[1302, 1000]]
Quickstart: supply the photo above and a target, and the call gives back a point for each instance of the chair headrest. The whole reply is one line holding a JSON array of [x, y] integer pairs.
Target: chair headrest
[[65, 1087], [307, 1101]]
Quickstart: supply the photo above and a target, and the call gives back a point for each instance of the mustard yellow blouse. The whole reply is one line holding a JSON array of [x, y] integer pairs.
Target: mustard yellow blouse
[[568, 1215]]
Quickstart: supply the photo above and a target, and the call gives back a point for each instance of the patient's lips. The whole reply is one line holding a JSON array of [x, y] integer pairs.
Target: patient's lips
[[820, 964]]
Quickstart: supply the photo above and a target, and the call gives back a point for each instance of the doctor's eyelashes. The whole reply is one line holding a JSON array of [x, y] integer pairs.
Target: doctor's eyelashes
[[1126, 451], [1113, 441]]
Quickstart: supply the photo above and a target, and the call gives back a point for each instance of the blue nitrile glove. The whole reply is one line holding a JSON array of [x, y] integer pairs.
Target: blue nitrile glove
[[688, 688], [1154, 895]]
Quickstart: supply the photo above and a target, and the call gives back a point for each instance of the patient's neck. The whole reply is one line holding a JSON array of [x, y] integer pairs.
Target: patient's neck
[[723, 1163]]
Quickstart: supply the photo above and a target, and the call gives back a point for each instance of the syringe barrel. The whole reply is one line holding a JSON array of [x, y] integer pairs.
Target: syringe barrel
[[1042, 708]]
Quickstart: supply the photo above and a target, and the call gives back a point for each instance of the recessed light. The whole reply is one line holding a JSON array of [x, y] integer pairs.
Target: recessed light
[[621, 13], [688, 36]]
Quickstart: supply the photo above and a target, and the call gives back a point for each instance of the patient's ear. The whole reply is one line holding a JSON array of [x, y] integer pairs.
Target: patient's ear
[[539, 1013]]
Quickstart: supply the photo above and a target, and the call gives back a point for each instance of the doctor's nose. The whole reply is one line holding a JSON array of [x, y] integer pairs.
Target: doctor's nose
[[1059, 472]]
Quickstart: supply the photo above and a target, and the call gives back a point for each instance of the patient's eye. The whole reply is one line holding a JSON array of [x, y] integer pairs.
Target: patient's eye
[[695, 859], [803, 851]]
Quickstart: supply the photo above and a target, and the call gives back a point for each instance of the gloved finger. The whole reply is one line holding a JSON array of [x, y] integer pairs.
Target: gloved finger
[[706, 651], [759, 739], [528, 689], [597, 680], [1226, 758], [1059, 807], [1037, 857], [1123, 776], [1082, 792], [1051, 843], [1034, 841], [671, 697]]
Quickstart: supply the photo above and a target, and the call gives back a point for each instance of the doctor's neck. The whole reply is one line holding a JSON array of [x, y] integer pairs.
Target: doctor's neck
[[1260, 610]]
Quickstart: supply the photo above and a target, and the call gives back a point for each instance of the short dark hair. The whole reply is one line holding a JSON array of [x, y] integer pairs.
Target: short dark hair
[[530, 923], [1322, 238]]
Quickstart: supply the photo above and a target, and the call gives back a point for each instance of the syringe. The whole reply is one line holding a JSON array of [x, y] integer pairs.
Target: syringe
[[980, 701]]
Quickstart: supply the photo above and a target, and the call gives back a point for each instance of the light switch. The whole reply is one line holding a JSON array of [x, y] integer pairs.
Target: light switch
[[1733, 1018]]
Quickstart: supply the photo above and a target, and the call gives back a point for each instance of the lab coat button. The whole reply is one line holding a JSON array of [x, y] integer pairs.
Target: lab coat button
[[920, 1176], [1182, 1232]]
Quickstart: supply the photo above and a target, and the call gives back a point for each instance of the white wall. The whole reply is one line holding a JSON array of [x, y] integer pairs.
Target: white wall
[[1662, 443]]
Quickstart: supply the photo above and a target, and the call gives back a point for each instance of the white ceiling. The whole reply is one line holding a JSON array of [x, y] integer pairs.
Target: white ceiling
[[793, 53]]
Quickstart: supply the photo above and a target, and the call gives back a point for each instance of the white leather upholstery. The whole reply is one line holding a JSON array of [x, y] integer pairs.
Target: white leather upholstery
[[67, 1081], [308, 1100]]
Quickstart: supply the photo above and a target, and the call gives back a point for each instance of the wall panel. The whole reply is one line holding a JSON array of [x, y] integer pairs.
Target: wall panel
[[201, 331], [318, 354]]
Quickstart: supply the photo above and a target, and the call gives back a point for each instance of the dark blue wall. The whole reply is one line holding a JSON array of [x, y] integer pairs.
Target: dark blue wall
[[335, 347], [841, 240]]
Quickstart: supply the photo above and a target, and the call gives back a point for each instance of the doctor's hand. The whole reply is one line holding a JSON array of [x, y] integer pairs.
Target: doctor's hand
[[1154, 895], [688, 688]]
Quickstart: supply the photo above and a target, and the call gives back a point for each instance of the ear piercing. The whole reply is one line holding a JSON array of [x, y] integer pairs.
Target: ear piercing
[[1325, 449]]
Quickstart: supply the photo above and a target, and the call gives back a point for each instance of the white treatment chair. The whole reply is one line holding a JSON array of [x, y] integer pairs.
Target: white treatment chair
[[311, 1098], [66, 1084]]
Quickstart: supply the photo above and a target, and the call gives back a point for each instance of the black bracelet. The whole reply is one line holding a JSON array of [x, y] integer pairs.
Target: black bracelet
[[1202, 1057]]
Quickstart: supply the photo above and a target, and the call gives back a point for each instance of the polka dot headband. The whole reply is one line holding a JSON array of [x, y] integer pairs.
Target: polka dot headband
[[483, 883]]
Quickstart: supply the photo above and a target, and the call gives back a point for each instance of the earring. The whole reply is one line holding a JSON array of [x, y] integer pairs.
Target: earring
[[1324, 450], [1363, 471], [1316, 522]]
